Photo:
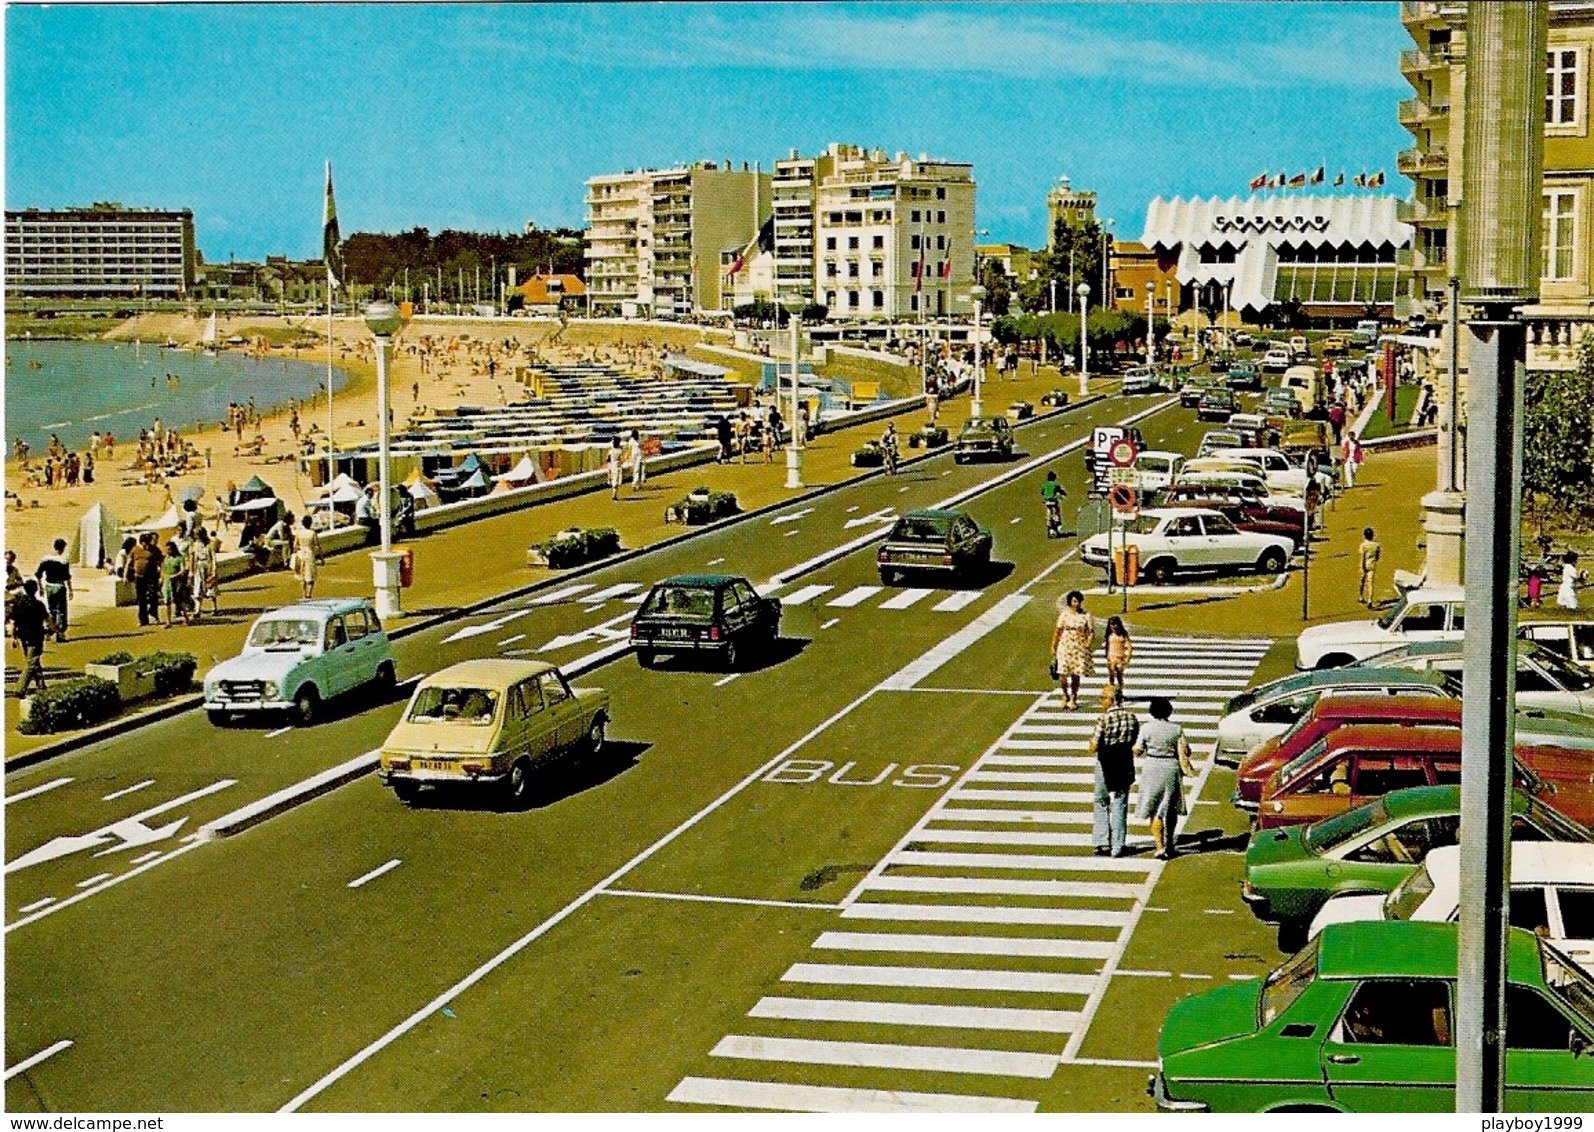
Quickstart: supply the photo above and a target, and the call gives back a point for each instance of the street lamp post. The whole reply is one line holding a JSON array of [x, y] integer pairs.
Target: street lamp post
[[383, 320], [1151, 325], [794, 453], [1084, 373], [1106, 253], [1167, 306], [976, 407]]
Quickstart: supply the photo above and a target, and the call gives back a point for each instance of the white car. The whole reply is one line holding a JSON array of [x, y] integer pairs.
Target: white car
[[1171, 540], [1545, 679], [1552, 895], [1261, 714], [1433, 613], [1144, 379], [1282, 474], [1156, 470], [1277, 360], [1573, 640]]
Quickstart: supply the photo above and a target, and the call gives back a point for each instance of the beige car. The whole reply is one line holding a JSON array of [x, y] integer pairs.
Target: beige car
[[491, 723]]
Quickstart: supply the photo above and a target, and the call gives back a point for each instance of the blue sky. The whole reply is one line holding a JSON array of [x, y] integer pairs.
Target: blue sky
[[487, 116]]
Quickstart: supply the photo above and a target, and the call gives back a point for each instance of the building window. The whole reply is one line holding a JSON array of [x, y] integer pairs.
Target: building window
[[830, 269], [854, 218], [913, 302], [852, 243], [879, 270], [852, 299], [879, 299], [940, 243], [1560, 229], [835, 218], [830, 243], [940, 217], [830, 300], [940, 193], [913, 242], [1561, 88], [879, 241], [915, 216], [852, 270]]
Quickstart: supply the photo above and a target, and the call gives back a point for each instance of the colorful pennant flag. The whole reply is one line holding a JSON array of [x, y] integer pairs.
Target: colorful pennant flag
[[763, 241], [331, 251], [1317, 177]]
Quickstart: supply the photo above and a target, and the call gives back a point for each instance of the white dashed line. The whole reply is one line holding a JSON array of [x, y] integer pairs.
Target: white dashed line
[[29, 1063], [93, 880], [724, 680], [957, 601], [140, 859], [376, 872], [37, 904], [789, 534], [115, 794], [37, 790], [850, 510], [278, 731], [900, 490], [1016, 520], [854, 596], [717, 561], [511, 640], [833, 621]]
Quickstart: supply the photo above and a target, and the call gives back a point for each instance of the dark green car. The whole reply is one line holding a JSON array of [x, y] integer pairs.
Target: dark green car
[[1290, 873], [1363, 1020], [983, 438], [944, 542]]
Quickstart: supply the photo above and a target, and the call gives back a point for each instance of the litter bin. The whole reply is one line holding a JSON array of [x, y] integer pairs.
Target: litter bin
[[1126, 565], [407, 569]]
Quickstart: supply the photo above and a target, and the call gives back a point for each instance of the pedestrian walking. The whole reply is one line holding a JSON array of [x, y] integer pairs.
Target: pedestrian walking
[[1072, 639], [1367, 555], [722, 433], [55, 577], [1167, 753], [202, 571], [30, 623], [616, 467], [1566, 596], [1112, 745], [744, 436], [634, 457], [1119, 648], [306, 558], [932, 397], [174, 586], [1351, 457]]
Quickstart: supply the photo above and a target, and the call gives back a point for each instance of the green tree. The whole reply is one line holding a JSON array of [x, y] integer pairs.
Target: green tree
[[1075, 258], [1558, 434], [998, 287]]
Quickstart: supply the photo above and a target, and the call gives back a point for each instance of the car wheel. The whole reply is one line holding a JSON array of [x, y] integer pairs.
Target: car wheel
[[219, 718], [386, 681], [595, 737], [1159, 572], [306, 705], [1334, 660], [518, 784], [729, 658], [1292, 935], [1271, 562], [888, 577], [406, 791], [644, 657]]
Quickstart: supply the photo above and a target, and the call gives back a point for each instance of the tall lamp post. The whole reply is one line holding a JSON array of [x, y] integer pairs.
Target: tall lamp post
[[1084, 305], [383, 320], [976, 407], [1151, 324], [793, 304], [1106, 253]]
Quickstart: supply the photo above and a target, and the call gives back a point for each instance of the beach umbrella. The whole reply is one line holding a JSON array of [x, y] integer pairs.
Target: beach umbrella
[[504, 484], [476, 482], [194, 491], [166, 522]]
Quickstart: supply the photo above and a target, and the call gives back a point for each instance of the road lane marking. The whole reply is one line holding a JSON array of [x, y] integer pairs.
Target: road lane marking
[[766, 1095], [1016, 520], [850, 510], [619, 589], [854, 596], [792, 533], [28, 1063], [561, 594], [877, 1055], [700, 898], [724, 680], [93, 880], [277, 732], [957, 643], [1028, 1019], [36, 791], [985, 914], [130, 830], [805, 594], [981, 886], [900, 490], [791, 518], [957, 601], [715, 561], [37, 904], [139, 860], [376, 872], [1113, 1062], [115, 880], [126, 790], [638, 599], [511, 640], [906, 599], [941, 978], [1034, 947], [429, 1009], [768, 588]]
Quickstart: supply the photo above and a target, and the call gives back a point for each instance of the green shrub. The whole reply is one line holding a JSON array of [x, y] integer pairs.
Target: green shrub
[[868, 455], [114, 658], [79, 702], [574, 546], [704, 506], [173, 671]]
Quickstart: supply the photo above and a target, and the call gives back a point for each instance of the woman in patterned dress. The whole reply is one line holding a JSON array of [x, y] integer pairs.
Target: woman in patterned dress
[[1071, 645]]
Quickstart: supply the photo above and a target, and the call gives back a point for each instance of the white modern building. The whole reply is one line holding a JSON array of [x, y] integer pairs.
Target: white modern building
[[656, 238], [1335, 255], [103, 251]]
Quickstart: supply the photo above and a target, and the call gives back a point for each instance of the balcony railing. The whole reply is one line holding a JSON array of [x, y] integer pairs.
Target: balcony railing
[[1410, 161], [1415, 61]]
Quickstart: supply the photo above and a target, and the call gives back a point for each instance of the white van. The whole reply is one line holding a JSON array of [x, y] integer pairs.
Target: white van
[[1306, 383], [1369, 329]]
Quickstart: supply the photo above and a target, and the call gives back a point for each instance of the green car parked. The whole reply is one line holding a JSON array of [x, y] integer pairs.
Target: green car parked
[[1290, 873], [1363, 1020]]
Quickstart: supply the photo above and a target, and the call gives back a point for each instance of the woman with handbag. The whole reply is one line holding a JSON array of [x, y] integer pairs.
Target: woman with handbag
[[1071, 646]]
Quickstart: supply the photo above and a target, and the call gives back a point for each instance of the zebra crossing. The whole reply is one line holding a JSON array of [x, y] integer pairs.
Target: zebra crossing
[[991, 925], [635, 593]]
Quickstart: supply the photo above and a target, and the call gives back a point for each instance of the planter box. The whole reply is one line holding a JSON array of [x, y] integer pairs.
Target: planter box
[[1020, 411], [869, 456], [130, 685], [1055, 399]]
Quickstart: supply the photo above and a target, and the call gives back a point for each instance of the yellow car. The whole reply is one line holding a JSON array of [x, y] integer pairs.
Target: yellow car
[[491, 723], [1333, 346]]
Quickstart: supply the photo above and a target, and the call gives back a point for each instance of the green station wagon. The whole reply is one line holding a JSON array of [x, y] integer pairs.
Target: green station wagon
[[1291, 872], [1363, 1020]]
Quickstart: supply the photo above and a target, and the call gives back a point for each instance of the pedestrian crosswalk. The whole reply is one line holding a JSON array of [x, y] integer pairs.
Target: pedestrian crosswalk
[[813, 594], [992, 917]]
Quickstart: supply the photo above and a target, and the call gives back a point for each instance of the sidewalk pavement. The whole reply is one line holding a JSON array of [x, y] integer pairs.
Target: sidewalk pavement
[[495, 545]]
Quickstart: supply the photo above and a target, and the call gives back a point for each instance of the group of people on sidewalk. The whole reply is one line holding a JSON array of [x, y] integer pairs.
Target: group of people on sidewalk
[[36, 608], [1120, 737]]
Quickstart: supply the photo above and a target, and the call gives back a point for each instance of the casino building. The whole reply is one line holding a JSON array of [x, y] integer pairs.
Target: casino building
[[1334, 255]]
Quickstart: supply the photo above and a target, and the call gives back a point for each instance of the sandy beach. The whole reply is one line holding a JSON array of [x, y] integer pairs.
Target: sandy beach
[[454, 371]]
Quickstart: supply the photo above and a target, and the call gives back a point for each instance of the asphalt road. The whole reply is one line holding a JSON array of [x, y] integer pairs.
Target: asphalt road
[[760, 880]]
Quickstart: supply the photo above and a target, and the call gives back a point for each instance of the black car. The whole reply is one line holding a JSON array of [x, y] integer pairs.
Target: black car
[[717, 615], [1217, 404], [984, 437], [945, 541]]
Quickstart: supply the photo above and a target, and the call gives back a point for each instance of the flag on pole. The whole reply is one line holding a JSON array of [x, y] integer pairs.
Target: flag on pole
[[1317, 177], [918, 268], [763, 241], [1259, 182], [1361, 181], [945, 271], [1376, 181], [1339, 181], [1298, 180], [330, 249]]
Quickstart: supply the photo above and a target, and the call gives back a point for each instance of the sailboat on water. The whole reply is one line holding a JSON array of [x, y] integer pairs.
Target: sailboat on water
[[207, 340]]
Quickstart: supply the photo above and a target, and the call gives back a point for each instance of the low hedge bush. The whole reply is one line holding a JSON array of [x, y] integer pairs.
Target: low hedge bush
[[575, 546], [114, 659], [868, 455], [80, 702], [173, 671], [703, 506]]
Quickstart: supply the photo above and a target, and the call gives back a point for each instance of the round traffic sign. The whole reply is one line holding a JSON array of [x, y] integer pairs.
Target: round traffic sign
[[1122, 497], [1123, 452]]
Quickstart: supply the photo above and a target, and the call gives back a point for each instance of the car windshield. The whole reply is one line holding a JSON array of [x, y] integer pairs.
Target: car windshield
[[1568, 983], [1408, 896], [680, 601], [1285, 985], [921, 528], [1300, 762], [1568, 676], [978, 424], [454, 705], [267, 634], [1302, 722], [1323, 835], [1143, 525], [1556, 825], [1389, 619]]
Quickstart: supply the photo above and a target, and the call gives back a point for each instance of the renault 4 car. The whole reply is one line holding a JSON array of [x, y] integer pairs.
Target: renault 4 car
[[297, 658], [710, 615], [490, 724], [1362, 1019]]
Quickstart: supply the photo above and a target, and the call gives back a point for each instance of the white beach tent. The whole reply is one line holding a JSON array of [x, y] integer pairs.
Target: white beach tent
[[423, 495], [165, 525], [98, 538], [522, 473]]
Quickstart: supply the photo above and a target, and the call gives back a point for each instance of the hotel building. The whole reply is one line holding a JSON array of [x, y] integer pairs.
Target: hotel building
[[103, 251]]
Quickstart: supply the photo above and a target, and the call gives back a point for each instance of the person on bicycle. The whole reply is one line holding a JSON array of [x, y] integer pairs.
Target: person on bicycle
[[888, 447], [1052, 496]]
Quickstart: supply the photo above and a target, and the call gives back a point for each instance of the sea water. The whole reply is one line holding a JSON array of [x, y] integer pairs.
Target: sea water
[[73, 389]]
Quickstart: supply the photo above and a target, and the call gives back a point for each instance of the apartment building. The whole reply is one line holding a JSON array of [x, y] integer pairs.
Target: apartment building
[[656, 238], [103, 251], [1065, 205], [874, 237], [1435, 67]]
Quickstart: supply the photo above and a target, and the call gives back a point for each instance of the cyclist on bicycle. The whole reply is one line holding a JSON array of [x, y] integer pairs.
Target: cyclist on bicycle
[[1052, 496]]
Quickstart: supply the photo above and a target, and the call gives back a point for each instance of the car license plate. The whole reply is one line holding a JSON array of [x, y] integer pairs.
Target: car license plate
[[675, 634], [433, 764], [923, 559]]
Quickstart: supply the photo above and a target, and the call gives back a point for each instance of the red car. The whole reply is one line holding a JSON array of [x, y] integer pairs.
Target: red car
[[1244, 509], [1361, 762], [1328, 714]]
